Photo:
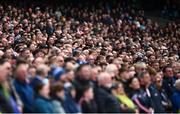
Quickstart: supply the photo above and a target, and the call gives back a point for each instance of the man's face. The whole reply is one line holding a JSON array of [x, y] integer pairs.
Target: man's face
[[26, 54], [156, 66], [140, 69], [22, 71], [169, 72], [158, 80], [146, 79], [85, 72], [9, 53], [60, 61], [5, 71]]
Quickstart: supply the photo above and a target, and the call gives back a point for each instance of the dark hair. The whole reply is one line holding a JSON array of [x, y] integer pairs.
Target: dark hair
[[164, 69], [56, 87], [21, 61], [23, 50], [3, 60], [38, 87], [116, 85], [141, 74], [85, 88], [37, 51], [80, 67], [129, 81]]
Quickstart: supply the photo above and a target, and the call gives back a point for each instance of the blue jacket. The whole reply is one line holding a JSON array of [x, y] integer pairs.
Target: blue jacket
[[35, 81], [176, 101], [26, 94], [70, 106], [42, 105]]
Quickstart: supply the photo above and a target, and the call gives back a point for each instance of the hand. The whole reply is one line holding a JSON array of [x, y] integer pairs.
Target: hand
[[151, 111]]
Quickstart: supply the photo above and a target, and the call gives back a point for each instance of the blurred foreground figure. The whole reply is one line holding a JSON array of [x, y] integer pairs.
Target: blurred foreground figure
[[7, 102]]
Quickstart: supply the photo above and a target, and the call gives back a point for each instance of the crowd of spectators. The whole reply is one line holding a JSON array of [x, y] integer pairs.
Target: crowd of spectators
[[171, 9], [102, 58]]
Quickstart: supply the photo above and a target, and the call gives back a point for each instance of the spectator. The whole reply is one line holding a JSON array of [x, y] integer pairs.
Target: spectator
[[42, 102], [127, 105], [42, 73], [139, 97], [82, 79], [175, 98], [7, 103], [106, 102], [70, 105], [159, 85], [152, 92], [23, 88], [87, 101], [168, 81], [58, 96], [77, 44]]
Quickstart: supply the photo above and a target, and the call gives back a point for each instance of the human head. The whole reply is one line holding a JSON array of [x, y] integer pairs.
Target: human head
[[140, 67], [158, 80], [38, 61], [83, 72], [57, 90], [94, 73], [88, 93], [32, 71], [112, 70], [134, 83], [59, 61], [42, 70], [155, 65], [124, 74], [105, 80], [5, 69], [145, 79], [168, 72], [118, 89], [26, 53], [42, 88], [21, 71]]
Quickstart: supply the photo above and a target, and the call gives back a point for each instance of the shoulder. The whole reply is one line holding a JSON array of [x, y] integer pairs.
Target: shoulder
[[55, 102], [40, 101], [176, 94]]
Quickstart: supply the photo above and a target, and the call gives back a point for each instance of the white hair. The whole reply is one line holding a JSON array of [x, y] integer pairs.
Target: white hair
[[111, 68], [102, 76], [140, 64]]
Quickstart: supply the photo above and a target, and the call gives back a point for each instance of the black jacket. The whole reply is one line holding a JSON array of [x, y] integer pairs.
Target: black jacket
[[89, 107], [156, 99], [79, 85], [106, 102], [168, 85]]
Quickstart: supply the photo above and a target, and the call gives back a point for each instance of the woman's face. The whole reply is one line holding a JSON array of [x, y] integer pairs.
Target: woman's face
[[89, 94], [158, 80], [120, 89], [73, 93], [135, 84], [45, 91], [61, 94]]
